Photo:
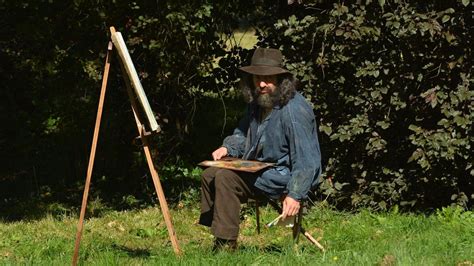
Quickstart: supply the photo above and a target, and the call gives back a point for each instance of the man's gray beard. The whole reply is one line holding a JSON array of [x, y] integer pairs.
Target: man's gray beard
[[265, 101], [268, 100]]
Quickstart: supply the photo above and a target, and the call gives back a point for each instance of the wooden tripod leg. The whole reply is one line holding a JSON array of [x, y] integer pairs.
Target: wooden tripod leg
[[161, 195], [154, 174], [92, 155], [311, 239]]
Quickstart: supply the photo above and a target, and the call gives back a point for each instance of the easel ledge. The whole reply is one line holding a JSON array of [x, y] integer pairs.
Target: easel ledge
[[131, 79]]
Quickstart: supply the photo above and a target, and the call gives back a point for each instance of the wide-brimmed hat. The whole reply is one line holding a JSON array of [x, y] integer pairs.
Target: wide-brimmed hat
[[265, 61]]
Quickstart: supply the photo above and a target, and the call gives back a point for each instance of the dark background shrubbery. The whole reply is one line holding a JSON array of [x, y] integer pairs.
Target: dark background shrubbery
[[392, 87], [390, 83]]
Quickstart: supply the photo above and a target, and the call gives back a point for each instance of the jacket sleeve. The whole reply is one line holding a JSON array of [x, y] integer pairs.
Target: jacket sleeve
[[235, 143], [305, 155]]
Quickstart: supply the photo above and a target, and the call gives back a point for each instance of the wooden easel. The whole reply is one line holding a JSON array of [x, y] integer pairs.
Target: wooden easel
[[143, 135]]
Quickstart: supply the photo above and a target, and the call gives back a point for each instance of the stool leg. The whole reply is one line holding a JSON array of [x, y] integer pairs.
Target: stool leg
[[297, 225], [257, 214]]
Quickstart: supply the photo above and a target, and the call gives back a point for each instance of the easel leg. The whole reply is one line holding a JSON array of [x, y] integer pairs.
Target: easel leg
[[154, 173], [161, 196], [92, 155]]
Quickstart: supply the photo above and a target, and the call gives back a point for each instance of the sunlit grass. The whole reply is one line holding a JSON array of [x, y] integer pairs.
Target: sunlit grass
[[244, 38], [140, 237]]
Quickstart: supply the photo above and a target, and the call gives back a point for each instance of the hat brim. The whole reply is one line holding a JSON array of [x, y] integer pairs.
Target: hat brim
[[264, 70]]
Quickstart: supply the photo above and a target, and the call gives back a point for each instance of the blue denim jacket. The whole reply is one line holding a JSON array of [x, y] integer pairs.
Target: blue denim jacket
[[287, 137]]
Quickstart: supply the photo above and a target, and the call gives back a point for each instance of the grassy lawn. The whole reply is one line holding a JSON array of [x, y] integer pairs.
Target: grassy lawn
[[244, 38], [140, 237]]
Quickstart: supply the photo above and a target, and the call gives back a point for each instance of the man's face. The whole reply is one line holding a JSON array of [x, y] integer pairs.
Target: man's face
[[265, 90]]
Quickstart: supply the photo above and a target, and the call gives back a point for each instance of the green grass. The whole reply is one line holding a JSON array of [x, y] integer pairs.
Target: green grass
[[244, 38], [140, 238]]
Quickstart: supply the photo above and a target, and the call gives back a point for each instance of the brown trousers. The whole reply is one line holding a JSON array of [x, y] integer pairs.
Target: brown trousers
[[222, 193]]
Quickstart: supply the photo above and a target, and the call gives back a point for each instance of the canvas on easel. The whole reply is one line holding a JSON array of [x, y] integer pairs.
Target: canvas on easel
[[142, 112], [133, 79]]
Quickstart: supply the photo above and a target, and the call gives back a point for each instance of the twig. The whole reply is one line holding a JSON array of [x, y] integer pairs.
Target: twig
[[225, 113]]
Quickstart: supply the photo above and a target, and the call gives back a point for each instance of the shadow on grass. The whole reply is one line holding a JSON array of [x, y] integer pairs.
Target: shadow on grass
[[270, 248], [133, 252], [16, 209], [19, 210], [36, 209]]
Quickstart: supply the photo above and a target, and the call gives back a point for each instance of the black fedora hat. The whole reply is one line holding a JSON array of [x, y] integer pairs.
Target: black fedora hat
[[265, 61]]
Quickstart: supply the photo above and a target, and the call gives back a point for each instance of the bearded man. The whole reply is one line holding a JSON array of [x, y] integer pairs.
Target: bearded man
[[279, 127]]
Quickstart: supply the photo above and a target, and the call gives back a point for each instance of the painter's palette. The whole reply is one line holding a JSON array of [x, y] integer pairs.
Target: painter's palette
[[237, 164]]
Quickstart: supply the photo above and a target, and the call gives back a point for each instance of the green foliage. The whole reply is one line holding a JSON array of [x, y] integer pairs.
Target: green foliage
[[455, 216], [52, 57], [391, 84]]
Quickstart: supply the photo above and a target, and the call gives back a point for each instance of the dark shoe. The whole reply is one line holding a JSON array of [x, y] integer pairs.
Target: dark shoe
[[224, 244]]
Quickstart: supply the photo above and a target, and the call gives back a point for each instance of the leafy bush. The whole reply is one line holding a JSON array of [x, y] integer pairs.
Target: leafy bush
[[52, 58], [391, 85]]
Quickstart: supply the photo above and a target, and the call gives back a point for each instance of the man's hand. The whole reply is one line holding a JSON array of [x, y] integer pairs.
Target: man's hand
[[219, 153], [290, 207]]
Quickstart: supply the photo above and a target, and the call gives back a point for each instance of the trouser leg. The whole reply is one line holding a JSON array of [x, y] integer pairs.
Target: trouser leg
[[222, 193], [207, 196]]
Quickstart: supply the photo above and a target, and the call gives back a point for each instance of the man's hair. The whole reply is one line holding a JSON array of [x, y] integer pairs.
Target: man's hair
[[286, 85]]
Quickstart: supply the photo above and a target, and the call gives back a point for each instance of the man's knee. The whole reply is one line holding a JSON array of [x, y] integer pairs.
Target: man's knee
[[208, 175], [225, 176]]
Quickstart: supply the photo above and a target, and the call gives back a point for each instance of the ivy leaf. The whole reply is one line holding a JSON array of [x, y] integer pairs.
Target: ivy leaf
[[445, 18], [415, 128], [383, 124], [326, 129], [338, 186]]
